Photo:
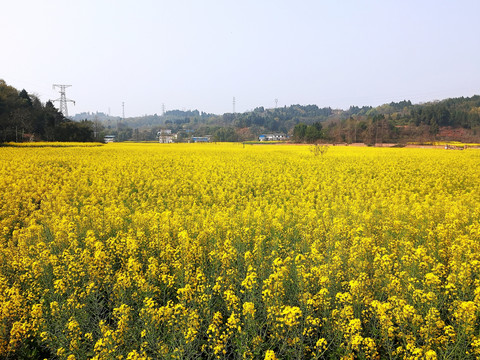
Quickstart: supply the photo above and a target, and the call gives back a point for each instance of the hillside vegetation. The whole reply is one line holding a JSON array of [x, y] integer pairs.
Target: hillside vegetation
[[23, 116], [451, 119]]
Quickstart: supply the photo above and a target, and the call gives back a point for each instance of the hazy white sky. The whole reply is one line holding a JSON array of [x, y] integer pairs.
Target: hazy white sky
[[200, 54]]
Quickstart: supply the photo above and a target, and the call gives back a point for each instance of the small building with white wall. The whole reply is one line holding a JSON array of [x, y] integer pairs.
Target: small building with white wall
[[272, 137], [165, 136]]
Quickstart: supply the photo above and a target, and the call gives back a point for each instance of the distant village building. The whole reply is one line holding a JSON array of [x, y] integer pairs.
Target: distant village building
[[28, 137], [197, 139], [272, 137], [165, 136], [109, 138]]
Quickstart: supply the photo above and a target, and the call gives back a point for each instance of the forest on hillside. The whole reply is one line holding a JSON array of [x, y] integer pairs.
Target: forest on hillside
[[451, 119], [24, 117]]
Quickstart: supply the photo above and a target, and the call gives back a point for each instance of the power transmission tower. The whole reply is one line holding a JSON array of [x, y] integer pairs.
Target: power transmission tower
[[276, 103], [123, 115], [234, 105], [63, 99]]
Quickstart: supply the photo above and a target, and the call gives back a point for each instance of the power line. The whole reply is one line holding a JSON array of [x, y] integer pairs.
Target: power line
[[63, 99]]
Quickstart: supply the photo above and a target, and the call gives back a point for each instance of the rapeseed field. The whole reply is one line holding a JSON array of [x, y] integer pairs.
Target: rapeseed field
[[224, 251]]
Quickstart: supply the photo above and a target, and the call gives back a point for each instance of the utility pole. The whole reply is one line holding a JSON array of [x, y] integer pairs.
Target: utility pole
[[95, 123], [63, 99], [356, 125]]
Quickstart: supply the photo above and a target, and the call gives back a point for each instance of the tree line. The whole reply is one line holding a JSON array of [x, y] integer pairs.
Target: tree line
[[393, 122], [396, 122], [23, 116]]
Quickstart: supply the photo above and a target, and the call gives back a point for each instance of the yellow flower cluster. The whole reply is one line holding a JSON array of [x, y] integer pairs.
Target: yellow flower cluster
[[178, 251]]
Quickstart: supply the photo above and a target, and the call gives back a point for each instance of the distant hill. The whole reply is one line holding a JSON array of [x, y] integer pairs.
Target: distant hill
[[22, 114], [394, 122]]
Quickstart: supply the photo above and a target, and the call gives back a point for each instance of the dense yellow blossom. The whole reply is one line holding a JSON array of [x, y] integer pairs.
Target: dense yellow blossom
[[179, 251]]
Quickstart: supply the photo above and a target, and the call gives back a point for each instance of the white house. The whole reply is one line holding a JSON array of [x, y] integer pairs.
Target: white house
[[165, 136], [109, 138]]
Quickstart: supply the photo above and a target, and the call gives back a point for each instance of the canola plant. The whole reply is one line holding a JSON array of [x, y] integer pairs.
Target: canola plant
[[224, 251]]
